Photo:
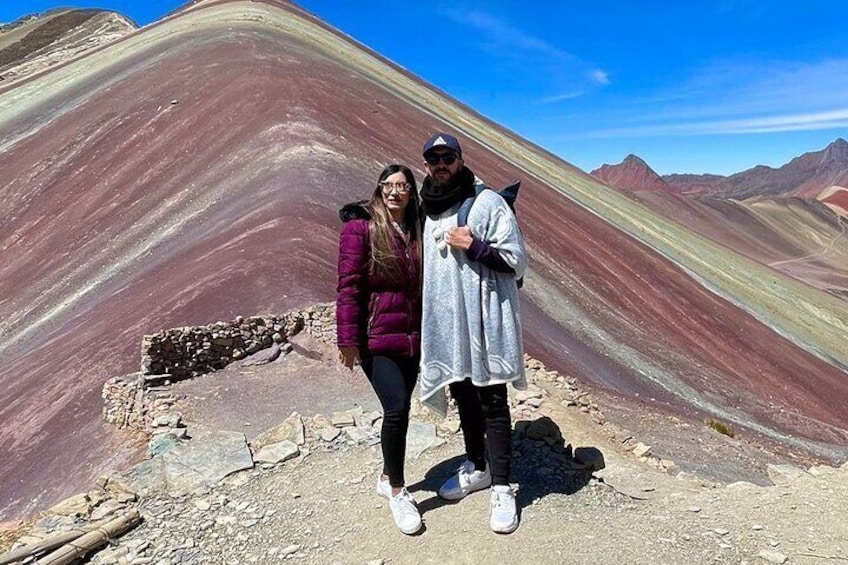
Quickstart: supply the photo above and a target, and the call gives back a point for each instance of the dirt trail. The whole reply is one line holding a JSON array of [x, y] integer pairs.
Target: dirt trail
[[321, 508], [327, 508]]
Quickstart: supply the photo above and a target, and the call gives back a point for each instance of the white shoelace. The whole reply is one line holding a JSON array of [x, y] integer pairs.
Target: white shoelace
[[405, 504], [504, 501]]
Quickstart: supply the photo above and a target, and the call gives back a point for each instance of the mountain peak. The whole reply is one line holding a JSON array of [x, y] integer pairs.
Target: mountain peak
[[836, 151], [632, 174], [634, 159]]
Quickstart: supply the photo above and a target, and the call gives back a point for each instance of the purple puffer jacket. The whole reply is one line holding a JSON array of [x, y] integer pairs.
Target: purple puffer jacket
[[378, 315]]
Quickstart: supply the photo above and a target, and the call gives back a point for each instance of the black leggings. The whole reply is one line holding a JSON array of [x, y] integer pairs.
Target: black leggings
[[393, 379], [485, 420]]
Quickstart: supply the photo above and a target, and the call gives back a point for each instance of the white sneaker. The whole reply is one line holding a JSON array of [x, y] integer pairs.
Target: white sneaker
[[504, 518], [383, 488], [467, 480], [405, 512]]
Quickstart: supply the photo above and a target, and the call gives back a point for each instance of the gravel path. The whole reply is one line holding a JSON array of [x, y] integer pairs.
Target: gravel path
[[321, 508]]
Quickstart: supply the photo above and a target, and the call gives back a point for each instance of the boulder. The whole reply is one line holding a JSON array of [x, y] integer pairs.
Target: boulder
[[277, 452]]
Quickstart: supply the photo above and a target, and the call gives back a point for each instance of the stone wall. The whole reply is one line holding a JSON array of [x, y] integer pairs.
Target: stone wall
[[183, 353], [138, 400]]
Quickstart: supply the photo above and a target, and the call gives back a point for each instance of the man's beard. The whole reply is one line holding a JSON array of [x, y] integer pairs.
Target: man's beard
[[443, 181]]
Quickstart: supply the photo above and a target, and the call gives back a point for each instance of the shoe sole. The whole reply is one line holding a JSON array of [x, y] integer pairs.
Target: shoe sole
[[383, 494], [461, 495], [412, 532], [508, 530]]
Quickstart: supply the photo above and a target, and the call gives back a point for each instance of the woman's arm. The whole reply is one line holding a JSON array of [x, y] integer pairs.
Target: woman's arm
[[354, 250]]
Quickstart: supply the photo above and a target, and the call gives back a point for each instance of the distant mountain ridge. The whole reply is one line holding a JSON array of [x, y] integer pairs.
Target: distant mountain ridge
[[806, 176], [633, 174], [693, 184], [34, 43]]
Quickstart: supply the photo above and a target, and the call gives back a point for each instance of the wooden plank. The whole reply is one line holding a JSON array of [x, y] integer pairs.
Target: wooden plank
[[92, 540], [40, 547]]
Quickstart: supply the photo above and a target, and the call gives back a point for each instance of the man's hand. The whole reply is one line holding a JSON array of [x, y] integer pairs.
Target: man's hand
[[459, 238], [349, 356]]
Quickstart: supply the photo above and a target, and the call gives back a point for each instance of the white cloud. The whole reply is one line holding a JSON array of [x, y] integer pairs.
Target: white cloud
[[599, 76], [736, 97], [562, 97], [554, 68], [787, 122], [765, 124], [738, 88], [509, 35]]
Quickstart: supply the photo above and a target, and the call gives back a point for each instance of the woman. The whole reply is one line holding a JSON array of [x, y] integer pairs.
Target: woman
[[378, 315]]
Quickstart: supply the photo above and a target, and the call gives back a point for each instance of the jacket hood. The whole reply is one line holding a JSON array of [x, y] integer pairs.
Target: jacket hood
[[355, 211]]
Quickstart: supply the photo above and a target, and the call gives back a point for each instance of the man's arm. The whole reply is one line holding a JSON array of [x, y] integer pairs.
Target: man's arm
[[478, 250], [498, 228]]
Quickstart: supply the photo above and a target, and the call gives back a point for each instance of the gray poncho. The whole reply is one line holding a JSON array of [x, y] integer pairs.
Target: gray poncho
[[471, 326]]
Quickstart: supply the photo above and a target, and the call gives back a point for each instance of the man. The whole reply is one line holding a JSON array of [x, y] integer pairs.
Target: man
[[471, 331]]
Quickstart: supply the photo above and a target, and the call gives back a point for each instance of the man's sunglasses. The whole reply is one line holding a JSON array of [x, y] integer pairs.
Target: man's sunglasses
[[446, 158]]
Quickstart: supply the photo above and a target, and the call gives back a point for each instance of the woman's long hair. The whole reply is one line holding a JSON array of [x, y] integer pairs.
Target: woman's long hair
[[384, 258]]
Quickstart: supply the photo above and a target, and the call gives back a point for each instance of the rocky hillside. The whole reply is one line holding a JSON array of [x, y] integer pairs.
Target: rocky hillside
[[633, 174], [301, 488], [38, 42]]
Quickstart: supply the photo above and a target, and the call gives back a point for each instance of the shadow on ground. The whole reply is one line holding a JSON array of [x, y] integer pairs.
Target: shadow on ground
[[542, 464]]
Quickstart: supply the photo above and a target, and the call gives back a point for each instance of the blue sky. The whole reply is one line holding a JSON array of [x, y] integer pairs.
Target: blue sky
[[714, 87]]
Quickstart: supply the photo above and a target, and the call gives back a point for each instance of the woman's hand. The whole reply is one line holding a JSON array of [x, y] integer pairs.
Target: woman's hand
[[459, 238], [349, 356]]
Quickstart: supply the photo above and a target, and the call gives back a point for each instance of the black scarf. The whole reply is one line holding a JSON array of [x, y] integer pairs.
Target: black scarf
[[437, 199]]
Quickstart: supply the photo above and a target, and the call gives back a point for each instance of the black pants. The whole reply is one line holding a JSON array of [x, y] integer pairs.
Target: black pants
[[485, 420], [393, 379]]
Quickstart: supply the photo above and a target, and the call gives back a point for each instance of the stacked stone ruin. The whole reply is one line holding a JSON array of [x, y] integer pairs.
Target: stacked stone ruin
[[139, 399]]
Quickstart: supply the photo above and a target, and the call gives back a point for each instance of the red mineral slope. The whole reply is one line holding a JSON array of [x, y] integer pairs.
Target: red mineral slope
[[633, 174], [192, 172], [835, 198]]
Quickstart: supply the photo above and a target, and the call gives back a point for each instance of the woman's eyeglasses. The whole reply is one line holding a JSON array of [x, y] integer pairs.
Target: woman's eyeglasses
[[399, 187], [446, 158]]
